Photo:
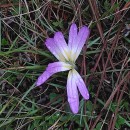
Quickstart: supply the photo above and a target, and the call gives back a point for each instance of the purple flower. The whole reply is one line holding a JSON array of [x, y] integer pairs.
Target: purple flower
[[67, 55]]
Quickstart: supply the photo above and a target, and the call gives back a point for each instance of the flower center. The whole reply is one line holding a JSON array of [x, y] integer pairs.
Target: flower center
[[72, 64]]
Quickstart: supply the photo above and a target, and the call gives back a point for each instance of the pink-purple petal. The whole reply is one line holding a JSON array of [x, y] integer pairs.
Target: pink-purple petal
[[62, 45], [81, 85], [82, 36], [58, 66], [72, 36], [42, 78], [72, 93], [51, 45], [52, 69]]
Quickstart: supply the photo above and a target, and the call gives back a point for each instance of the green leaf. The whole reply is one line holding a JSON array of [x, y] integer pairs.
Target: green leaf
[[89, 105], [120, 121], [4, 42], [98, 126]]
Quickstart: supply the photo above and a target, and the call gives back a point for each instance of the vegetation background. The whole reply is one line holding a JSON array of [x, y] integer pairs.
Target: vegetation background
[[104, 64]]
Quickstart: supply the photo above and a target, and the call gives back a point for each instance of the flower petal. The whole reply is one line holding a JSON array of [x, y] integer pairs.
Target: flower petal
[[42, 78], [51, 45], [58, 66], [52, 69], [61, 43], [81, 85], [72, 93], [72, 36], [83, 34]]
